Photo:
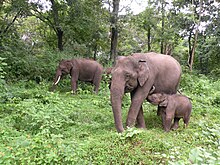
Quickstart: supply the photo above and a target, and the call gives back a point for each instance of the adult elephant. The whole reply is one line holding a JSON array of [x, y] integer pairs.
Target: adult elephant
[[137, 74], [79, 69]]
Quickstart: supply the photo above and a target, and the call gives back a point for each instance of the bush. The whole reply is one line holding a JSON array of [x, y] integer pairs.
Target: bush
[[3, 88], [41, 127]]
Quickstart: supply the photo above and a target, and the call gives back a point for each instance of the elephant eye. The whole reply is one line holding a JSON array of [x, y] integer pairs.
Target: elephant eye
[[127, 75]]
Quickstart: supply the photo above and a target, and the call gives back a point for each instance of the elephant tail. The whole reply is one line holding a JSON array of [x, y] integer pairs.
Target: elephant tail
[[184, 95]]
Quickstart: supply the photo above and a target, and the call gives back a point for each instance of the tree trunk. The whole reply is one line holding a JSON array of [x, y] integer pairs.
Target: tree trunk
[[191, 56], [95, 52], [60, 39], [114, 30], [5, 30], [57, 28], [148, 39], [114, 41], [162, 36]]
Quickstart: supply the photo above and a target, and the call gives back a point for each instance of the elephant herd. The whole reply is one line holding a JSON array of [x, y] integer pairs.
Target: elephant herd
[[146, 76]]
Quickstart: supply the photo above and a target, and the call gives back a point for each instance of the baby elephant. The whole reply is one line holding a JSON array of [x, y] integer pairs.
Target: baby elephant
[[171, 107]]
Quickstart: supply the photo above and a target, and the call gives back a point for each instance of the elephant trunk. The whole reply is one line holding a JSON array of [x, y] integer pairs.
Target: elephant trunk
[[117, 92]]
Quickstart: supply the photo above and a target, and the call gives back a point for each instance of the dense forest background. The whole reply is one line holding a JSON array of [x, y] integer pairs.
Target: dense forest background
[[43, 127], [35, 35]]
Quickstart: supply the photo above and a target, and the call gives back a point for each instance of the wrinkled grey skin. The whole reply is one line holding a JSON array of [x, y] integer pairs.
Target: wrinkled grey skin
[[79, 69], [137, 74], [171, 107]]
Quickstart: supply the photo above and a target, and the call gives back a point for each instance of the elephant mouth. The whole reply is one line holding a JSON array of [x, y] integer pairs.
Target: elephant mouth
[[128, 88], [154, 103]]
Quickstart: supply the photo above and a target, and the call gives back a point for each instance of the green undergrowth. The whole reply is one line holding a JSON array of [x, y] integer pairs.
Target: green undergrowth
[[42, 127]]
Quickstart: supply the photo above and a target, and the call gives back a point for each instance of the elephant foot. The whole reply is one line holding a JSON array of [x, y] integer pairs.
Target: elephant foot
[[120, 129], [185, 125], [130, 123], [73, 92], [96, 91], [175, 124], [167, 130], [174, 127], [140, 123], [141, 126]]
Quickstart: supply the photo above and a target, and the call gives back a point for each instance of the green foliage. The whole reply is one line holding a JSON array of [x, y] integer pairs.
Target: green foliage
[[36, 66], [2, 66], [3, 88], [41, 127], [210, 155], [130, 133], [28, 35]]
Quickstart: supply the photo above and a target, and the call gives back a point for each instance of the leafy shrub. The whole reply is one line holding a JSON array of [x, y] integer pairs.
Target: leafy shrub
[[215, 72], [41, 127], [38, 66], [3, 88], [195, 84], [210, 155], [2, 66]]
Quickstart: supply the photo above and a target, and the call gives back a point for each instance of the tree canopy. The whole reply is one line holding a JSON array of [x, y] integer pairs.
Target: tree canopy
[[187, 30]]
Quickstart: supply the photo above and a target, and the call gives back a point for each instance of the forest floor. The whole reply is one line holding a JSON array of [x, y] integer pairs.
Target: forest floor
[[42, 127]]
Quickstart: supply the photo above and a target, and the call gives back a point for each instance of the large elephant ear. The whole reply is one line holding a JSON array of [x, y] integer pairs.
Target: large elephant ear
[[143, 72], [69, 65], [74, 66]]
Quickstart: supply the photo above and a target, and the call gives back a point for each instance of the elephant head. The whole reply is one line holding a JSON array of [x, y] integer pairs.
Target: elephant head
[[129, 72], [158, 99], [127, 75], [64, 67]]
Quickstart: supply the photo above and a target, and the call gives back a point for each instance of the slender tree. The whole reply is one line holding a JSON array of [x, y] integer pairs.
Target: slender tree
[[162, 26], [192, 53], [10, 12], [114, 30], [52, 18], [57, 27]]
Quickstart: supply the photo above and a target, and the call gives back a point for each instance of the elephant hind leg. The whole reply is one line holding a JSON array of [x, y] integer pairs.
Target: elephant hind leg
[[96, 80], [186, 121], [175, 124], [140, 119]]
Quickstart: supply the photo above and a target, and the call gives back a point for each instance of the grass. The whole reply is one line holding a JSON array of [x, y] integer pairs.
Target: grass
[[42, 127]]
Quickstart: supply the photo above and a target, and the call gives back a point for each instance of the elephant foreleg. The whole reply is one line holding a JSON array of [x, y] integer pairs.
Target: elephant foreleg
[[186, 121], [135, 111], [167, 123], [73, 85]]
